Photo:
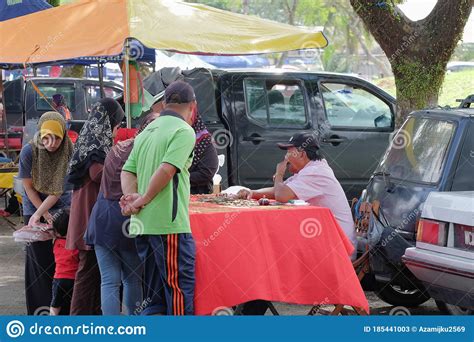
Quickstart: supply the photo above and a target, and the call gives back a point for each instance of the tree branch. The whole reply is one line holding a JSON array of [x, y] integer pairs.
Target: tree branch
[[441, 30], [383, 22]]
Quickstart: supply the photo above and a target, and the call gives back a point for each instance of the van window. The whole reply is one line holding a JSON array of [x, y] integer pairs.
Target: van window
[[418, 151], [351, 106], [50, 89], [93, 94], [275, 103]]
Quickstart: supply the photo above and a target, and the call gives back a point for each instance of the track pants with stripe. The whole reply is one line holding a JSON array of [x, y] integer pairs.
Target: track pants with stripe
[[169, 273]]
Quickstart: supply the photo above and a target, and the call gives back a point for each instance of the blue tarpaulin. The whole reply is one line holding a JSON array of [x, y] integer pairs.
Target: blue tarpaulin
[[16, 8]]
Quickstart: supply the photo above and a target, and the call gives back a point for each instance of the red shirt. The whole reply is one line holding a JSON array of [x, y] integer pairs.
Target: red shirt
[[67, 261]]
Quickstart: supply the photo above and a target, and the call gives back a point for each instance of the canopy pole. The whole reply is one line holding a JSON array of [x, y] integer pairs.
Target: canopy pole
[[127, 83], [4, 115], [100, 68]]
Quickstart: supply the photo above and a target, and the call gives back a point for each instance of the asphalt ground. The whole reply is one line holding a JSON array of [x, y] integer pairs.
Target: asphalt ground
[[12, 294]]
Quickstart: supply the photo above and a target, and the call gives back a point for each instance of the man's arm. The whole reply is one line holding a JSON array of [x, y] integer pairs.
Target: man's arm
[[283, 193], [264, 192], [128, 181]]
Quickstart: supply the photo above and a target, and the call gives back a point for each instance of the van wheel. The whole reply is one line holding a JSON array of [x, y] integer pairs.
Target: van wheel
[[395, 295], [454, 310]]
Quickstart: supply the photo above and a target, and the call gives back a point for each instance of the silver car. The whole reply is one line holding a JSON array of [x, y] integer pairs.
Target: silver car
[[443, 258]]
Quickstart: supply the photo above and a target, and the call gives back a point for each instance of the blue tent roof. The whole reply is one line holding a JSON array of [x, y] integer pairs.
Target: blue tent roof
[[16, 8]]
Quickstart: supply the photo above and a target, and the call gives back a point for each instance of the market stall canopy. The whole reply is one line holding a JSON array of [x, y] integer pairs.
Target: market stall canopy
[[100, 28]]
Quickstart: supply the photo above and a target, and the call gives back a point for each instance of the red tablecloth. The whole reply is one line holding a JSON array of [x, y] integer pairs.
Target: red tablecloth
[[295, 255]]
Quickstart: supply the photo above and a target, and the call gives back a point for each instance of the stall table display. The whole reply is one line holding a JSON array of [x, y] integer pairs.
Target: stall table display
[[283, 253], [7, 173]]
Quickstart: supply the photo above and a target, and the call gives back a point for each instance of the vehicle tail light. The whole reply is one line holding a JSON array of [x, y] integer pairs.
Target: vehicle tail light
[[461, 237], [432, 232]]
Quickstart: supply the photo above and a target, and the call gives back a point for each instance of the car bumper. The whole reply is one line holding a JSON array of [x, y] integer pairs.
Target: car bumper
[[448, 278]]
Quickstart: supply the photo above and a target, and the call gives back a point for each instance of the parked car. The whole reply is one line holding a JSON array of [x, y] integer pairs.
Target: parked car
[[250, 110], [433, 151], [459, 66], [24, 105], [443, 257]]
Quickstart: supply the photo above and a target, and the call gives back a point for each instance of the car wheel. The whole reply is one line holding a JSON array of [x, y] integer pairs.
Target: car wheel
[[453, 309], [394, 295]]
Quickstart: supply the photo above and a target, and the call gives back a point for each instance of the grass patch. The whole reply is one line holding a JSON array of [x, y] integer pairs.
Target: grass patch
[[456, 85]]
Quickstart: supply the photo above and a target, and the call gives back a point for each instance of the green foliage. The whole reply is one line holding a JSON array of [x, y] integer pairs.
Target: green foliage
[[456, 85], [54, 3], [417, 80], [464, 52]]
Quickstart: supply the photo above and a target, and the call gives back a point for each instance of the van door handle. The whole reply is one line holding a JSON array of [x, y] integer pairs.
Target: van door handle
[[256, 139], [334, 140]]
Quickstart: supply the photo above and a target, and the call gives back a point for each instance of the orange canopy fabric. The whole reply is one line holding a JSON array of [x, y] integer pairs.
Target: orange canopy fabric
[[100, 28]]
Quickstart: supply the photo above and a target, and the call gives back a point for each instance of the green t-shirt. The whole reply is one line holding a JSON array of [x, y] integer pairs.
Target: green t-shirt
[[168, 139]]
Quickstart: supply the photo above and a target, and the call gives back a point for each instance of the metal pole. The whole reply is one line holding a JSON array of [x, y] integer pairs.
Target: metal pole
[[100, 68], [4, 114], [127, 84]]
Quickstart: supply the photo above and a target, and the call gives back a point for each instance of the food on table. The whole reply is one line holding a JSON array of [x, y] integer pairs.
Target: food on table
[[223, 199]]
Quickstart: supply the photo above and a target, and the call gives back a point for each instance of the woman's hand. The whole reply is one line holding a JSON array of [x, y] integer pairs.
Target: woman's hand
[[34, 220], [48, 217]]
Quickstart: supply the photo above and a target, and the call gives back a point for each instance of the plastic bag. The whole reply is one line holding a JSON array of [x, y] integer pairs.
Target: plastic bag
[[42, 232]]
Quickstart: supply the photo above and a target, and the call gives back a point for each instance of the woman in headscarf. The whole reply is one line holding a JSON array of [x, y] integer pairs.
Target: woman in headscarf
[[108, 233], [43, 169], [85, 172], [205, 161]]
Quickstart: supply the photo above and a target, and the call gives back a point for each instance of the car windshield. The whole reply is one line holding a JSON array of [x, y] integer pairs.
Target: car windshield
[[418, 150]]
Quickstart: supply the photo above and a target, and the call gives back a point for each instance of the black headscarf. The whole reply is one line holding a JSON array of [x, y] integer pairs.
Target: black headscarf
[[95, 139], [203, 139]]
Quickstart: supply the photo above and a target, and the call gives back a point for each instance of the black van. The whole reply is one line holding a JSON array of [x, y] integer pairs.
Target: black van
[[432, 151], [250, 110], [24, 105]]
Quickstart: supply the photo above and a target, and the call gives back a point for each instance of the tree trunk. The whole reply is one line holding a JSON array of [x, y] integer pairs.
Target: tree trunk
[[418, 84], [418, 51], [290, 11]]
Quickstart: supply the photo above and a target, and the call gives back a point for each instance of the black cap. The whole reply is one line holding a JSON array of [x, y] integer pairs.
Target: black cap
[[179, 92], [306, 141]]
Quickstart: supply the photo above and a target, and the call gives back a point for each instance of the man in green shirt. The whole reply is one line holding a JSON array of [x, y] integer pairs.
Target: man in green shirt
[[155, 183]]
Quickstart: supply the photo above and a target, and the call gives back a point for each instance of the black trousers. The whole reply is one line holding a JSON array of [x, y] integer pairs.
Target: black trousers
[[39, 273]]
